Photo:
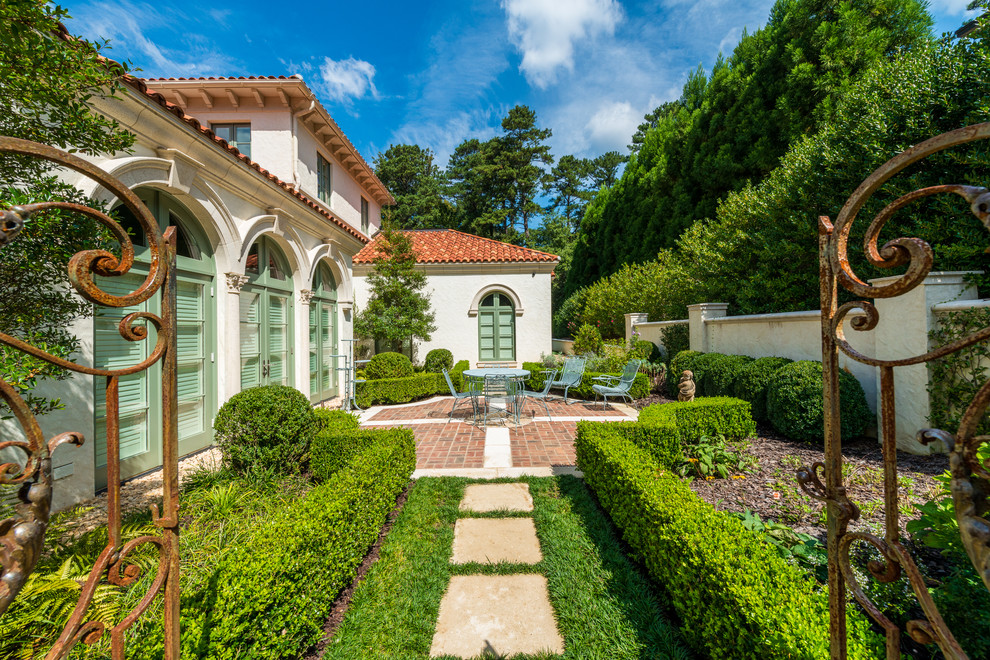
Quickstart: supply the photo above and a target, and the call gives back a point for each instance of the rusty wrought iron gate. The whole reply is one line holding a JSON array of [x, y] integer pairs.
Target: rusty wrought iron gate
[[970, 478], [22, 536]]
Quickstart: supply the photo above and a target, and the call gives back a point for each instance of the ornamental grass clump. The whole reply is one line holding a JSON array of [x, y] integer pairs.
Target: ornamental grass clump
[[265, 429]]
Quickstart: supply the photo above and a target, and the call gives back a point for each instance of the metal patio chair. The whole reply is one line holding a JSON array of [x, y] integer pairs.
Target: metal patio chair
[[570, 376], [546, 391], [459, 396], [617, 385], [498, 398]]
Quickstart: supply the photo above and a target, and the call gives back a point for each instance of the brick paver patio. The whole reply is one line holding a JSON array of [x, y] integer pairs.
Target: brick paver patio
[[457, 444]]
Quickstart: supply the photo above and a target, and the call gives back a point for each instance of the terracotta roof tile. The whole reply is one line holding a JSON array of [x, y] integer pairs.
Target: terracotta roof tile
[[226, 78], [139, 85], [449, 246]]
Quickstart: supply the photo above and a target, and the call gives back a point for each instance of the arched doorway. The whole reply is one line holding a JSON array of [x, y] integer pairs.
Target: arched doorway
[[140, 394], [497, 328], [323, 335], [266, 317]]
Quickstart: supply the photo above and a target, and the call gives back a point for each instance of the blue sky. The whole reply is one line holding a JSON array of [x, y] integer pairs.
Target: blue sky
[[434, 73]]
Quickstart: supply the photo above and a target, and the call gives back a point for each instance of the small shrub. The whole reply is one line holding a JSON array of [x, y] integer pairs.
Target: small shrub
[[752, 381], [400, 390], [588, 340], [388, 365], [796, 408], [437, 360], [265, 428], [457, 374], [681, 362], [644, 350], [737, 598], [334, 420], [714, 456], [708, 416], [721, 372], [568, 316]]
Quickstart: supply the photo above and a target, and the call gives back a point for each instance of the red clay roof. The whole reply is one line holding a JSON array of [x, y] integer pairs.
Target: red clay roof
[[139, 85], [449, 246], [229, 78]]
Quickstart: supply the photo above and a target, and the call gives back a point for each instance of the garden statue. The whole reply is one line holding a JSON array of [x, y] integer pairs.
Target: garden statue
[[685, 387]]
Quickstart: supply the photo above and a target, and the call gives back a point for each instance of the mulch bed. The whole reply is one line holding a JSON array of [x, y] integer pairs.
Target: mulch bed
[[772, 491], [343, 601]]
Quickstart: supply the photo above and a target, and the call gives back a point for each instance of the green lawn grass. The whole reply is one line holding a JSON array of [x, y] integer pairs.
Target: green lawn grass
[[605, 606]]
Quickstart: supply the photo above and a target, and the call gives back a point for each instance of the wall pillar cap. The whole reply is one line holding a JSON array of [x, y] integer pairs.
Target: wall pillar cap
[[711, 305]]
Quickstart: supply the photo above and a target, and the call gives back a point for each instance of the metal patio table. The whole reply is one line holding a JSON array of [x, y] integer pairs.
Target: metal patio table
[[507, 407]]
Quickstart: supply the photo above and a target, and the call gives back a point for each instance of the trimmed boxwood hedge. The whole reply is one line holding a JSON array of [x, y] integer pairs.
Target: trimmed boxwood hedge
[[457, 374], [797, 409], [437, 360], [753, 380], [707, 416], [331, 419], [640, 387], [721, 372], [737, 598], [400, 390], [269, 597], [661, 440], [334, 449]]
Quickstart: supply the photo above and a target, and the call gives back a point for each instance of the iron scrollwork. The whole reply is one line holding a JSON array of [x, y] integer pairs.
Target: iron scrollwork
[[22, 536], [970, 484]]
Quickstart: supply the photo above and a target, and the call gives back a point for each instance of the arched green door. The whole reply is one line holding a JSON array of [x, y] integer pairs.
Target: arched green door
[[497, 329], [266, 317], [140, 394], [323, 336]]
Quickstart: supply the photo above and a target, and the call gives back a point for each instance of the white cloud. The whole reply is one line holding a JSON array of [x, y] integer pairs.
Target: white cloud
[[612, 125], [952, 7], [127, 25], [546, 31], [345, 80]]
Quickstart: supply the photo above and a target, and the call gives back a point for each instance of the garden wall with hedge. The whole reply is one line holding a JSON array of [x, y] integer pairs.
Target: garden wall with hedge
[[270, 596], [736, 597], [784, 393]]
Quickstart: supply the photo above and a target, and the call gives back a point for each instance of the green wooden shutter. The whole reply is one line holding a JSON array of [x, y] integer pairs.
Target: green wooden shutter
[[278, 339], [250, 305], [496, 329]]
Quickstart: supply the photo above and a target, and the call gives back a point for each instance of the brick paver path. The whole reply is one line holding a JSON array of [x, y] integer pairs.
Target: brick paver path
[[457, 444]]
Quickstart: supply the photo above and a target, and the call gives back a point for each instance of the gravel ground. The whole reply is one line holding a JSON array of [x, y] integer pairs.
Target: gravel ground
[[136, 494]]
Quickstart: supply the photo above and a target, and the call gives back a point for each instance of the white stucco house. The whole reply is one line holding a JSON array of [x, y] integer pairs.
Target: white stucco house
[[271, 202], [491, 299]]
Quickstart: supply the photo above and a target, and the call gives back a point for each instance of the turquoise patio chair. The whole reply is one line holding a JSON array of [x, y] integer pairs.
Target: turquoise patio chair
[[460, 396], [546, 391], [617, 385], [570, 376]]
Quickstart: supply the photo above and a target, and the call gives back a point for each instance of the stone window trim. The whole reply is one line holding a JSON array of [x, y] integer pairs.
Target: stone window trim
[[495, 288]]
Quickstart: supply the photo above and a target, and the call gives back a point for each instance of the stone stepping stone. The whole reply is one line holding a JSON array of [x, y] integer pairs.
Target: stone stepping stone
[[491, 540], [496, 614], [484, 498]]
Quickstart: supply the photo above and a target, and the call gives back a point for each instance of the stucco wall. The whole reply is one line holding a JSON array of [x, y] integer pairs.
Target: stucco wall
[[452, 291]]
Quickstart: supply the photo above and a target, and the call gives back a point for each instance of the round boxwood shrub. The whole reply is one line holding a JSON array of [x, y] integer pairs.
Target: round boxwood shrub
[[721, 373], [752, 381], [683, 361], [702, 364], [796, 409], [388, 365], [437, 360], [265, 429], [645, 350]]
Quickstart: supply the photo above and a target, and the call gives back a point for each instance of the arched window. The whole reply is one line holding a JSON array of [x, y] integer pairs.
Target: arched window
[[323, 335], [266, 317], [140, 394], [496, 328]]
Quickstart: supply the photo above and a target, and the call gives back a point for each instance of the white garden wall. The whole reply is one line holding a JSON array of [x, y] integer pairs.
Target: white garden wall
[[903, 330]]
